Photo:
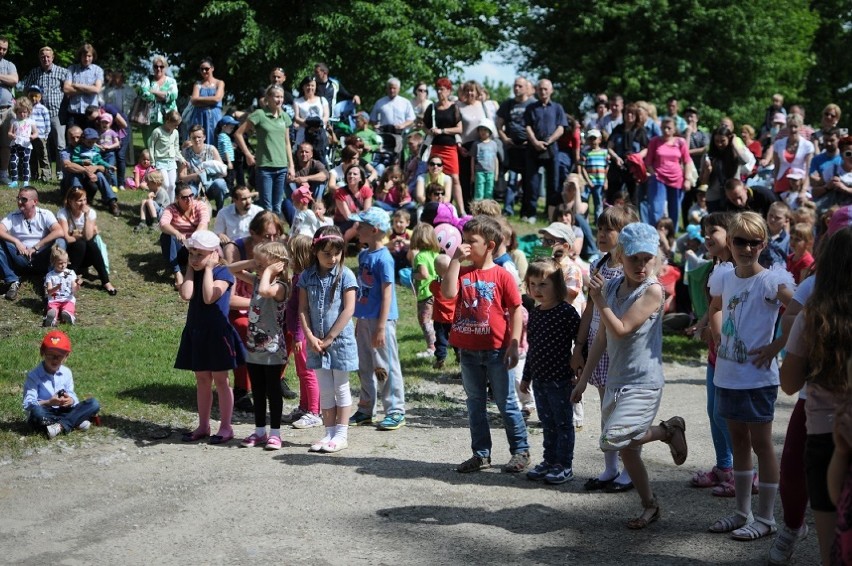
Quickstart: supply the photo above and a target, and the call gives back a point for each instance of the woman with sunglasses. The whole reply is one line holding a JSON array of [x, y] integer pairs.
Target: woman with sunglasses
[[421, 99], [177, 223], [206, 100], [829, 120], [162, 91], [443, 122], [434, 175], [792, 152]]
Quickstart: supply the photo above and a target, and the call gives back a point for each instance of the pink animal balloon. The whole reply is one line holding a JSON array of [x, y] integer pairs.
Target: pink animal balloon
[[449, 238]]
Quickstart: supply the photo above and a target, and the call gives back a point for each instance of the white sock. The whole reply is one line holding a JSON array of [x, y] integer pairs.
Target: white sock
[[742, 489], [766, 502], [260, 431], [275, 432], [329, 434], [610, 466], [341, 432]]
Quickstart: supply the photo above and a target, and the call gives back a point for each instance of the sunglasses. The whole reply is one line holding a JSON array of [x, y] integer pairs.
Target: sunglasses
[[743, 242], [438, 194], [551, 241], [159, 66], [422, 90], [203, 69], [185, 197], [23, 200], [435, 164]]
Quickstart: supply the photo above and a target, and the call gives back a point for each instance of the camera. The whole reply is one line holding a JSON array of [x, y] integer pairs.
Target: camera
[[61, 393]]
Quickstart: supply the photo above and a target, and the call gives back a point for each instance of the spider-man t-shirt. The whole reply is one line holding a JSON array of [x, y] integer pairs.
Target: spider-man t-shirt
[[481, 304]]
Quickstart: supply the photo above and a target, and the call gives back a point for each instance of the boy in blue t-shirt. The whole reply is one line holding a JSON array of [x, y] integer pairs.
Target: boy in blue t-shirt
[[375, 332]]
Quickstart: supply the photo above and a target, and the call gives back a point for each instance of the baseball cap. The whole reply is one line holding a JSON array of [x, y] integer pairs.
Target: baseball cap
[[90, 134], [594, 133], [57, 340], [105, 117], [228, 120], [779, 118], [34, 88], [303, 194], [363, 115], [203, 240], [561, 231], [796, 173], [375, 217], [639, 237]]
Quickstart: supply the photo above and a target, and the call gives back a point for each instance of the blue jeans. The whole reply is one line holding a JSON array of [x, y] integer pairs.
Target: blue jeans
[[532, 183], [101, 185], [511, 191], [597, 198], [590, 244], [217, 190], [271, 183], [70, 418], [660, 198], [478, 369], [121, 159], [718, 427], [111, 176], [12, 263], [442, 339], [556, 413], [175, 254]]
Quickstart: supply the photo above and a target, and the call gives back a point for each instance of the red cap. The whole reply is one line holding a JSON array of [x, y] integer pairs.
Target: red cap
[[57, 340]]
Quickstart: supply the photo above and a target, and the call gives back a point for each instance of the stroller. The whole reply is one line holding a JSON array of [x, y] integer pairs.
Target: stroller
[[316, 135]]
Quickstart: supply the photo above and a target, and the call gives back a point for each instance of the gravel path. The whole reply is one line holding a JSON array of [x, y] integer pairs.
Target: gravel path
[[391, 498]]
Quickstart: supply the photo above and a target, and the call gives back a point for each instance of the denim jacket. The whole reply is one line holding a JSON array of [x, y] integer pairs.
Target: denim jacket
[[324, 310]]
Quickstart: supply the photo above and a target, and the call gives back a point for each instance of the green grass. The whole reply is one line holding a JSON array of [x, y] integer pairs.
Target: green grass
[[124, 346]]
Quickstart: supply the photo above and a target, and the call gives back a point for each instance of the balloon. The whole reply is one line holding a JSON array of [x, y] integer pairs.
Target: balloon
[[449, 238]]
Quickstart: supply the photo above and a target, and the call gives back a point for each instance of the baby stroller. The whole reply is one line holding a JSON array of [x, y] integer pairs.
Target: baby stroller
[[391, 150], [316, 135]]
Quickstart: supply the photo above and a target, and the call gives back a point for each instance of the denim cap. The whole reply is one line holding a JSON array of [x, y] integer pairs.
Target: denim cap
[[375, 217], [203, 240], [228, 121], [638, 237], [34, 88], [90, 134], [693, 232]]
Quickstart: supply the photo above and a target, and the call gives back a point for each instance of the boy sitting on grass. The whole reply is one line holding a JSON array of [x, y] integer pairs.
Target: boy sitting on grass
[[49, 398]]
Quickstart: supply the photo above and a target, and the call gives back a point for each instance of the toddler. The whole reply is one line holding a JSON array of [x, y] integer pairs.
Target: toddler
[[320, 209], [399, 239], [22, 132], [139, 171], [50, 402], [60, 287], [157, 200], [800, 261], [109, 144], [305, 222], [594, 168], [484, 160], [424, 248], [165, 151]]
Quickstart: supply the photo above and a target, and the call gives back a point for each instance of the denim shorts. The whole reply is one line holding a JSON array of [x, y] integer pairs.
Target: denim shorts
[[818, 451], [747, 405]]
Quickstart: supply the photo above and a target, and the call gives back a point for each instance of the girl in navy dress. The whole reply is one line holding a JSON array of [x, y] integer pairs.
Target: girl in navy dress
[[209, 345]]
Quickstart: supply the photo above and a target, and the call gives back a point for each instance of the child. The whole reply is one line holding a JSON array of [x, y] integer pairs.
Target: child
[[800, 261], [631, 310], [305, 222], [778, 221], [60, 286], [152, 207], [392, 194], [209, 344], [484, 160], [487, 340], [265, 342], [400, 239], [609, 224], [442, 311], [50, 402], [39, 157], [88, 153], [22, 132], [698, 210], [109, 144], [319, 209], [424, 248], [551, 331], [375, 332], [326, 303], [139, 171], [307, 414], [225, 145], [747, 297], [594, 167], [560, 238], [165, 151]]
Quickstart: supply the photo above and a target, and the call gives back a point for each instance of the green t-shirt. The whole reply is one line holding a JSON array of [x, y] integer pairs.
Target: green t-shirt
[[272, 135], [421, 286]]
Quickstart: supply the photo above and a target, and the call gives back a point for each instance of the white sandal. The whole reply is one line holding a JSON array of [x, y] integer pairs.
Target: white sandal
[[731, 523]]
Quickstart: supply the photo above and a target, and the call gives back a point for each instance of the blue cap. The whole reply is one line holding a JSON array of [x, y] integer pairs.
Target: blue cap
[[693, 232], [34, 88], [229, 121], [90, 134], [638, 237], [375, 217]]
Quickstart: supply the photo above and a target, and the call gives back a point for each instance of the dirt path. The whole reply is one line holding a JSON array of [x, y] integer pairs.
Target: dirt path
[[391, 498]]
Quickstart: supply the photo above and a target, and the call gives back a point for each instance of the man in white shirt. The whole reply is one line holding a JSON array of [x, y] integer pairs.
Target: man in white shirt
[[392, 113], [26, 237], [232, 222]]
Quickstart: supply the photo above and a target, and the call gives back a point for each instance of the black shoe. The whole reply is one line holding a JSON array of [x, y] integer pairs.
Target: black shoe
[[615, 487], [595, 484], [286, 392]]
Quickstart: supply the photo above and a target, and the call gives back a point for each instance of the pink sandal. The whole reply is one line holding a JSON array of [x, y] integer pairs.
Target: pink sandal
[[726, 489], [712, 478]]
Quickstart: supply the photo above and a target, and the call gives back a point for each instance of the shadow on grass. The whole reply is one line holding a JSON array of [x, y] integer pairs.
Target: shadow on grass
[[16, 426], [173, 396], [151, 266]]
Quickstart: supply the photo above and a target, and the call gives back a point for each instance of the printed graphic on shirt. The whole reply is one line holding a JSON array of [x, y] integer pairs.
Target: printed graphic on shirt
[[732, 346], [257, 340], [475, 307], [366, 281]]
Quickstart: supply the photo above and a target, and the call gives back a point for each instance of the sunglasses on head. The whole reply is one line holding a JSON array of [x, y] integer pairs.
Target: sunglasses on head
[[743, 242], [435, 164]]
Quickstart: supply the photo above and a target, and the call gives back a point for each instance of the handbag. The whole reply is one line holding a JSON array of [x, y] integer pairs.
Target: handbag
[[99, 242], [141, 111]]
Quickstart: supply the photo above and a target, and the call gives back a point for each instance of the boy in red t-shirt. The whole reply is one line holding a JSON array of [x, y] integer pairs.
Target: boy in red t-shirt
[[487, 341]]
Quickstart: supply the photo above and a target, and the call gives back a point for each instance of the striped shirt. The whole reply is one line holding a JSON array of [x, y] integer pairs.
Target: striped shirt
[[42, 120], [595, 162], [50, 82], [225, 146]]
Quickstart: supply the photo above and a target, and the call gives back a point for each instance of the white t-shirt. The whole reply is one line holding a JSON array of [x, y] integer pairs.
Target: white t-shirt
[[29, 232], [229, 222], [305, 222], [62, 283], [749, 310], [317, 107], [75, 223]]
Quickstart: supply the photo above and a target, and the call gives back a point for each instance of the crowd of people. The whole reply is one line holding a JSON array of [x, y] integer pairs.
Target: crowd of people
[[739, 237]]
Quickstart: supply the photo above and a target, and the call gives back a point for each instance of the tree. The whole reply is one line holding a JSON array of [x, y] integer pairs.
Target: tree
[[724, 57], [829, 79]]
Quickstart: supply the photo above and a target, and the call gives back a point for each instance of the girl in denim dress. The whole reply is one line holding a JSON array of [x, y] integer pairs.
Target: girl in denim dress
[[325, 312]]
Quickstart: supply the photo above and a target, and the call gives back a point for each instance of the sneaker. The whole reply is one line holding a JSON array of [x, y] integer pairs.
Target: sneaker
[[54, 430], [307, 420], [13, 184], [50, 318], [318, 446], [531, 220], [474, 464], [517, 463], [67, 317], [12, 291], [359, 418], [84, 426], [274, 443], [335, 445], [439, 364], [392, 421], [559, 474], [785, 543], [425, 354], [293, 416], [253, 440], [540, 471]]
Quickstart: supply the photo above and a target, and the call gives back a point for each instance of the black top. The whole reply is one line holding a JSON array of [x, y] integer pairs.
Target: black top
[[447, 118], [551, 334]]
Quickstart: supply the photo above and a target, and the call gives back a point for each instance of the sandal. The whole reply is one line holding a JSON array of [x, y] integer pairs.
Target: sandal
[[675, 429], [755, 530], [726, 488], [731, 523], [641, 521], [712, 478]]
